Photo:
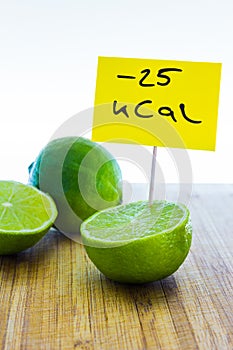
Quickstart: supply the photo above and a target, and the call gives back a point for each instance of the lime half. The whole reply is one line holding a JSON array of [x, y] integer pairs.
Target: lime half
[[138, 243], [26, 215]]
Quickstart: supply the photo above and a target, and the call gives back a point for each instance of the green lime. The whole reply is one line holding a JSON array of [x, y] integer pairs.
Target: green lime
[[138, 243], [26, 215], [81, 176]]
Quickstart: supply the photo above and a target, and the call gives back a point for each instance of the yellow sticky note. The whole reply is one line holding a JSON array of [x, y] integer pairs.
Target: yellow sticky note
[[157, 102]]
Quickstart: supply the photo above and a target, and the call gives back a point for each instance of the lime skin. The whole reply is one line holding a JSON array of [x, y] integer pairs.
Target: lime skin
[[81, 176]]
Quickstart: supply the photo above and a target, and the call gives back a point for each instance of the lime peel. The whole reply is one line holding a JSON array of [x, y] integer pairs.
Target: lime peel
[[81, 176]]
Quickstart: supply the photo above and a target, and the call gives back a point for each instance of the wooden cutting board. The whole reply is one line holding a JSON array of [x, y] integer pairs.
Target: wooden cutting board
[[52, 297]]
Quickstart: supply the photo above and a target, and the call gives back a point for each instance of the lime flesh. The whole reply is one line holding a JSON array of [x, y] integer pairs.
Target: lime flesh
[[138, 243], [26, 215]]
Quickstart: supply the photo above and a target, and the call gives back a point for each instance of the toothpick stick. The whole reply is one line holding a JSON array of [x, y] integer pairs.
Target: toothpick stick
[[152, 176]]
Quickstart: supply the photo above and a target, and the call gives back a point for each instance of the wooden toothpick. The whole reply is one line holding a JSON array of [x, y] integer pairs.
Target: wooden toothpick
[[152, 176]]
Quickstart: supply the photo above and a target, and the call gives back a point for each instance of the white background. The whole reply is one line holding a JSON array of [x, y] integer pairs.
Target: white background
[[48, 61]]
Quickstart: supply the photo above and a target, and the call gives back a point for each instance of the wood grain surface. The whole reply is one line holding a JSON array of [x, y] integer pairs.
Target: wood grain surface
[[52, 297]]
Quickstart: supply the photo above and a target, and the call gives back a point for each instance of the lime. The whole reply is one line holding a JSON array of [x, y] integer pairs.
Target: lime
[[80, 175], [138, 243], [26, 215]]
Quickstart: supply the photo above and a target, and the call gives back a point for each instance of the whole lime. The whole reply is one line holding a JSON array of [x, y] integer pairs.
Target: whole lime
[[138, 242], [81, 176]]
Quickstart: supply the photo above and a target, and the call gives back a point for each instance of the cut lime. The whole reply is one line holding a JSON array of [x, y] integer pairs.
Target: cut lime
[[138, 243], [26, 215]]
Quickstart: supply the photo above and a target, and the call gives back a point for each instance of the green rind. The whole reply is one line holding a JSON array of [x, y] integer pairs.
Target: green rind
[[15, 243]]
